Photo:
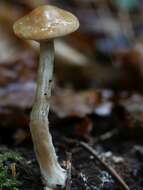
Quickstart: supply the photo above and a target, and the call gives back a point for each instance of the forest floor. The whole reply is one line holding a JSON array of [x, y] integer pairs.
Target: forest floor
[[120, 149]]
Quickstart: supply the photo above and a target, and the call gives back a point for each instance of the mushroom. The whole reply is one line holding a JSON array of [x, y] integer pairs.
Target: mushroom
[[44, 24]]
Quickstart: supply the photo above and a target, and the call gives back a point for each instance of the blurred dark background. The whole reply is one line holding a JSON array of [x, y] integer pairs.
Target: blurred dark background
[[106, 52], [97, 67]]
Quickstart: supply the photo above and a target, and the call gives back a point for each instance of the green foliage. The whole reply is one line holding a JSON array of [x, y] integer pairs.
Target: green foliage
[[7, 181], [13, 156], [126, 4]]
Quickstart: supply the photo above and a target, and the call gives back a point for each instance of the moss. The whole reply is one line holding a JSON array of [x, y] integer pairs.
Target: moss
[[7, 181]]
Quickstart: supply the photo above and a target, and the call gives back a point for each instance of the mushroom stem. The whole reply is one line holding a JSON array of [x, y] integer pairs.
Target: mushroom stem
[[53, 174]]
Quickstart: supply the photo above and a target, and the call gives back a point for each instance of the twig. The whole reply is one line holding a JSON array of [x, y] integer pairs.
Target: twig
[[109, 168], [13, 169], [69, 166], [106, 136]]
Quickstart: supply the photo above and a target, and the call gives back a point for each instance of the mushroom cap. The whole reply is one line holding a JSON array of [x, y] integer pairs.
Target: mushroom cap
[[45, 22]]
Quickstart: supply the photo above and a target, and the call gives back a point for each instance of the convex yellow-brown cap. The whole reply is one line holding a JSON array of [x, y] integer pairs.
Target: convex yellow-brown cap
[[45, 22]]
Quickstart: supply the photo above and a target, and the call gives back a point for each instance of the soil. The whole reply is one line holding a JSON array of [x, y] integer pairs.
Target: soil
[[125, 155]]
